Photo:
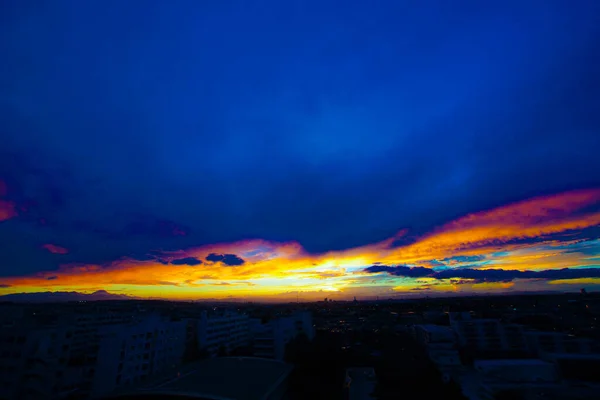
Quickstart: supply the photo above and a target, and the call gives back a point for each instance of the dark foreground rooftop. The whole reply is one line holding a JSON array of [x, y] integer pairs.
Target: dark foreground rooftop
[[225, 378]]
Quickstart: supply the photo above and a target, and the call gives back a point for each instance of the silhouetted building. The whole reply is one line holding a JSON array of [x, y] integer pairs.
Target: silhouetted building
[[524, 376], [227, 330], [555, 342], [488, 334], [270, 339], [83, 352], [132, 354]]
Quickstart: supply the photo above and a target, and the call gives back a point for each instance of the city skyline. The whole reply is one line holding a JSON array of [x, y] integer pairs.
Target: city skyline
[[274, 151]]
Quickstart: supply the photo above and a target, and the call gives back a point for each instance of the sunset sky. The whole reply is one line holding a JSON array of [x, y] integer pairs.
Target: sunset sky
[[270, 150]]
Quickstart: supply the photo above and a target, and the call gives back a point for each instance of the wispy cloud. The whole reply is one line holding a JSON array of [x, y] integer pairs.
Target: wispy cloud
[[52, 248]]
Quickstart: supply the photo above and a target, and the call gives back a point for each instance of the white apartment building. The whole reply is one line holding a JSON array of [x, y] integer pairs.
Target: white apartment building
[[89, 354], [83, 356], [270, 339], [440, 343], [227, 330], [555, 342], [130, 354], [526, 376], [435, 335]]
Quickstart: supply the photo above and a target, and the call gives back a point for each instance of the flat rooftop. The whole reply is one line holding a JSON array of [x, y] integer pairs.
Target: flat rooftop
[[574, 356], [511, 362], [224, 378], [435, 328]]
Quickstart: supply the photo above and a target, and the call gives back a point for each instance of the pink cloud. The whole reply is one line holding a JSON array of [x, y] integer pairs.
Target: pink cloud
[[52, 248], [7, 210]]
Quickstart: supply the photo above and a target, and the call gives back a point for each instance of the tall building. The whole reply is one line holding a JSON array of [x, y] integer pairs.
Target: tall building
[[440, 344], [435, 336], [83, 355], [133, 353], [270, 339], [227, 330]]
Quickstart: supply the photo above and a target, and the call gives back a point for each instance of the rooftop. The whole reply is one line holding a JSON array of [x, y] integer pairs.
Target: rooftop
[[510, 362], [224, 378], [573, 356], [435, 328]]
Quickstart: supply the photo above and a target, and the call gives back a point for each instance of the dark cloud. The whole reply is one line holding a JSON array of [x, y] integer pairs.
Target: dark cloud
[[212, 257], [487, 275], [501, 275], [157, 256], [412, 272], [167, 283], [186, 261], [3, 285], [227, 259], [51, 278]]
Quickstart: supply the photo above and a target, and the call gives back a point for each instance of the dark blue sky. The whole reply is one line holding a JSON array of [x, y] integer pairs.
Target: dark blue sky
[[131, 126]]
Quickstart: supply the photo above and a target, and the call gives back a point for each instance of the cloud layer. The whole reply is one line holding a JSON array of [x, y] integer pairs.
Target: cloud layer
[[545, 240], [486, 275]]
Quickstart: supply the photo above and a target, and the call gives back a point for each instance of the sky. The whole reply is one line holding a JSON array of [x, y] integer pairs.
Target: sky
[[269, 150]]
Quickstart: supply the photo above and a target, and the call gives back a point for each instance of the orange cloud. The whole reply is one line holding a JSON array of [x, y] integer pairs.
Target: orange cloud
[[489, 229], [273, 267]]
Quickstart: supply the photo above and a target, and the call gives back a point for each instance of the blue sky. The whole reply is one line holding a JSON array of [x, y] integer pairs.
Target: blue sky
[[131, 127]]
